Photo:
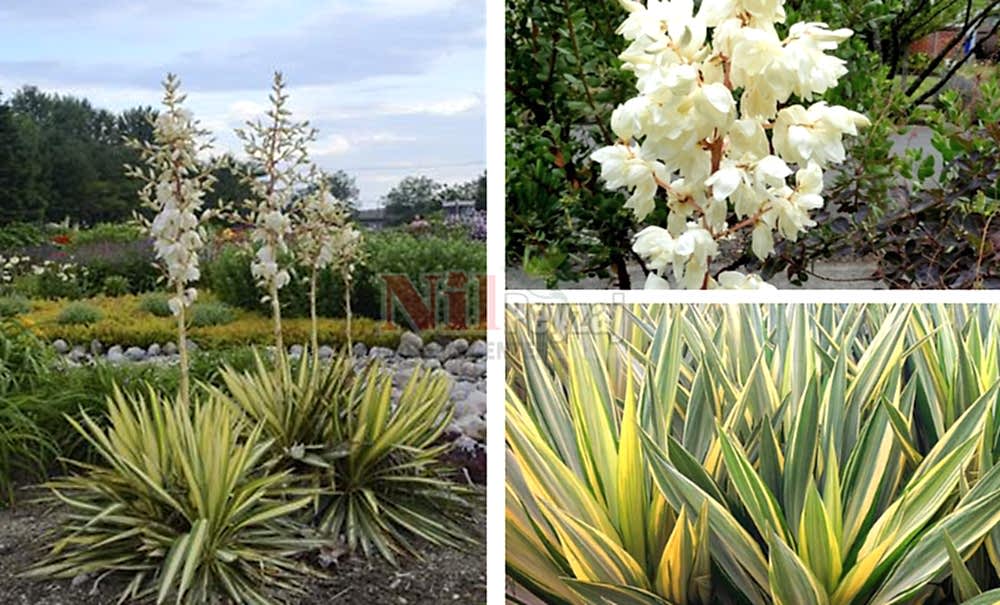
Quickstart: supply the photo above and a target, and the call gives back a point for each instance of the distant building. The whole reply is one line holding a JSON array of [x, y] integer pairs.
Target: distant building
[[458, 208], [372, 218], [936, 42]]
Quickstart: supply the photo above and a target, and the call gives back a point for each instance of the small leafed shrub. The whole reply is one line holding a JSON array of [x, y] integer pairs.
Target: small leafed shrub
[[211, 314], [13, 305], [115, 285], [156, 303], [79, 313], [191, 513]]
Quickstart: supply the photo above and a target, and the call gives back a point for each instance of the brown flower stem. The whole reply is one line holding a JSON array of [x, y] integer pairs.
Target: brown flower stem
[[182, 348], [312, 316]]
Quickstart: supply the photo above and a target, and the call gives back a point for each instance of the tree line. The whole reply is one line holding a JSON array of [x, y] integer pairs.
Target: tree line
[[61, 158]]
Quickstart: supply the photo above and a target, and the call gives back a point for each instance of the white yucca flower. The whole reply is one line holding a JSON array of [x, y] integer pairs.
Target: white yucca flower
[[325, 237], [685, 133], [174, 186], [278, 161]]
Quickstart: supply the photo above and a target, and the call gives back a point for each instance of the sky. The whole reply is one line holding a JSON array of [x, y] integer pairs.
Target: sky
[[395, 87]]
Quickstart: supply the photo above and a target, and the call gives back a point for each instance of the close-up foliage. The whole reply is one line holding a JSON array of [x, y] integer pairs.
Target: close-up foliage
[[792, 454]]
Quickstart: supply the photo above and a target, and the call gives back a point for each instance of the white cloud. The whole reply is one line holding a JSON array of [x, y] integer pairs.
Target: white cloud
[[444, 107], [379, 138], [334, 144]]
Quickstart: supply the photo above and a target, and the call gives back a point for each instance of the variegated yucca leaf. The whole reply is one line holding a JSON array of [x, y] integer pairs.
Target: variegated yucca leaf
[[838, 454], [179, 502]]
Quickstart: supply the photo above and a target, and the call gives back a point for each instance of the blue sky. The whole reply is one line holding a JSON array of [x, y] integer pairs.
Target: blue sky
[[395, 87]]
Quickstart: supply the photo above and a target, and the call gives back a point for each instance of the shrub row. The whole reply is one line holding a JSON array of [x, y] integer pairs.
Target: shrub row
[[227, 274], [127, 321], [113, 260]]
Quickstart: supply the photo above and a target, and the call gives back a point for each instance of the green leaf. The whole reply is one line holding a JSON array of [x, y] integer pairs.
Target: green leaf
[[791, 583]]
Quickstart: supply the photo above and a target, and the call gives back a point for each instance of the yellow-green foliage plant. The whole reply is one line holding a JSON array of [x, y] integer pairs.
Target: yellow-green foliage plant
[[179, 502], [372, 467], [392, 485], [787, 454], [296, 404]]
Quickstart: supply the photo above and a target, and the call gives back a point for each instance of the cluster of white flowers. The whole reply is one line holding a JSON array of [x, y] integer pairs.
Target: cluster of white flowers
[[175, 183], [324, 233], [12, 266], [64, 272], [276, 147], [685, 134]]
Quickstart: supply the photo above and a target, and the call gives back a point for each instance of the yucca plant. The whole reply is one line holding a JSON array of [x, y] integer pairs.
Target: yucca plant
[[392, 485], [178, 501], [296, 403], [371, 466], [816, 454]]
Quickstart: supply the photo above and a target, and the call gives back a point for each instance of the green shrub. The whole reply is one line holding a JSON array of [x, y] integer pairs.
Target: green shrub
[[23, 357], [56, 282], [121, 233], [25, 449], [13, 305], [79, 313], [156, 303], [115, 285], [189, 491], [19, 235], [227, 274], [211, 314]]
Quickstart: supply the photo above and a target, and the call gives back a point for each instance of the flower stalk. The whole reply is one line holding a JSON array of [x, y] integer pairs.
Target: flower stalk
[[277, 149], [175, 182]]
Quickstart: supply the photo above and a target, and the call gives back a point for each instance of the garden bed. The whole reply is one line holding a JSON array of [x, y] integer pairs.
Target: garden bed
[[441, 575], [123, 321]]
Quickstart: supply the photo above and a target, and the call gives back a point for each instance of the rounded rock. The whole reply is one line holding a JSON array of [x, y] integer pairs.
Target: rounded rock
[[154, 350], [475, 403], [135, 354], [454, 366], [61, 346], [477, 349], [455, 348], [380, 352], [433, 350], [410, 345], [79, 354]]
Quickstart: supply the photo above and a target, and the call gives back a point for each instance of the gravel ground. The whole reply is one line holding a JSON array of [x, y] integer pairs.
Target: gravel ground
[[442, 575]]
